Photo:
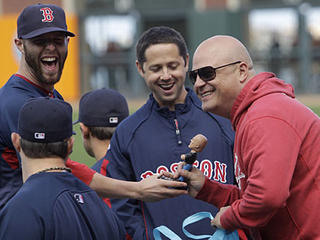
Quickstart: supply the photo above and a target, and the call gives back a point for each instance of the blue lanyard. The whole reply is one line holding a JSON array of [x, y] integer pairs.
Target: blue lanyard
[[219, 234]]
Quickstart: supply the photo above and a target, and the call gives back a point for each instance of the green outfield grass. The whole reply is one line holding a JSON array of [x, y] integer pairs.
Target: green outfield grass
[[80, 155], [316, 110]]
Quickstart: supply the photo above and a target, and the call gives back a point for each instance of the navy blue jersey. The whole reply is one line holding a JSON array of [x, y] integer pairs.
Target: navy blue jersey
[[100, 166], [12, 96], [152, 140], [56, 205]]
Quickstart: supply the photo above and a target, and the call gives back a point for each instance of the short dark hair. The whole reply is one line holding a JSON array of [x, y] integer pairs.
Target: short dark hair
[[44, 150], [158, 35], [102, 133]]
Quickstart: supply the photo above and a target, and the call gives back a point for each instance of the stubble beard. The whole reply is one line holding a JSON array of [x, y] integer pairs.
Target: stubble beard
[[35, 67]]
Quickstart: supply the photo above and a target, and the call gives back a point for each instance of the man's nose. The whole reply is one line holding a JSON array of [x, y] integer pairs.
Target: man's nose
[[166, 74]]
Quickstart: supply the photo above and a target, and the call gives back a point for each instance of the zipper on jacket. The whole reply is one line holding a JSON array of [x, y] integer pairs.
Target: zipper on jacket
[[177, 131]]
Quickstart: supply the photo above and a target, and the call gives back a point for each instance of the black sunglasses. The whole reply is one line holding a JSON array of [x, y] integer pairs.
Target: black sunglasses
[[207, 73]]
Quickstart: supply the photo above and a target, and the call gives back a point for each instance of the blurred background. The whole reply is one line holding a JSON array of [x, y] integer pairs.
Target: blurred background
[[283, 36]]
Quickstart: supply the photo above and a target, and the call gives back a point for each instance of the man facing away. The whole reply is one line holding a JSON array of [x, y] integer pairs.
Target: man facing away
[[100, 112], [52, 203]]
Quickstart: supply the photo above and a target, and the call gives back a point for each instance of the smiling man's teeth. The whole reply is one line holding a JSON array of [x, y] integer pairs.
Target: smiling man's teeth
[[205, 94], [166, 85], [49, 59]]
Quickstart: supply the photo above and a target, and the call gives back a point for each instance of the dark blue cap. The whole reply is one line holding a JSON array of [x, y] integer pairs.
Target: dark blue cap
[[102, 108], [45, 120], [39, 19]]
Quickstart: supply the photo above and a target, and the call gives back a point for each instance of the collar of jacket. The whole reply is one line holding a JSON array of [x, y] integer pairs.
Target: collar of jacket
[[179, 108]]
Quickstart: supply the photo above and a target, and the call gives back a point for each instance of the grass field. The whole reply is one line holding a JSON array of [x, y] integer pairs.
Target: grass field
[[80, 155]]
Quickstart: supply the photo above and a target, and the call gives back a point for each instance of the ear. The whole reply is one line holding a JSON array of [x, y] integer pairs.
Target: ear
[[84, 131], [70, 145], [244, 72], [19, 44], [15, 138], [187, 62], [140, 69]]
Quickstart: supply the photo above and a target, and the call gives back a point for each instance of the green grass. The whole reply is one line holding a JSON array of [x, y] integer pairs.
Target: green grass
[[80, 155], [316, 110]]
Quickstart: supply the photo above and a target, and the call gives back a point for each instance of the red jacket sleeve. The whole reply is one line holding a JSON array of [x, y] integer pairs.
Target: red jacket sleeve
[[81, 171], [218, 194]]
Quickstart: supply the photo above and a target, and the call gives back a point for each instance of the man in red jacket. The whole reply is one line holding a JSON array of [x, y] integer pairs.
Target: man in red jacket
[[277, 146]]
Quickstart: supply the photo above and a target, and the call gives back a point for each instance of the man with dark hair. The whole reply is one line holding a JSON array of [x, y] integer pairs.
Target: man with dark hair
[[52, 203], [43, 43], [152, 139], [152, 37]]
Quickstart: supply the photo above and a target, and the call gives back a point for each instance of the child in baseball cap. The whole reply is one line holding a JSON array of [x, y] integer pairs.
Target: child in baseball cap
[[100, 112]]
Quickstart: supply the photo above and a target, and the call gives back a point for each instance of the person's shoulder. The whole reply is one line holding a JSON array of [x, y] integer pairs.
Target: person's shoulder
[[135, 119], [54, 183], [194, 100], [222, 120], [57, 94], [11, 81], [15, 83], [97, 166], [10, 104], [25, 199], [126, 130], [15, 211], [68, 181], [225, 126], [14, 92]]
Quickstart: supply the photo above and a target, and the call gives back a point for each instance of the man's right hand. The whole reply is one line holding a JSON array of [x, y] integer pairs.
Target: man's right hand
[[154, 188], [194, 178]]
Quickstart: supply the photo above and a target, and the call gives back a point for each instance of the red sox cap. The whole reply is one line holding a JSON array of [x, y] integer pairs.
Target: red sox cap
[[39, 19], [102, 108], [45, 120]]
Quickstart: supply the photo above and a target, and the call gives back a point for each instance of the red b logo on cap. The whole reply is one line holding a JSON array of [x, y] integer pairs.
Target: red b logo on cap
[[47, 14]]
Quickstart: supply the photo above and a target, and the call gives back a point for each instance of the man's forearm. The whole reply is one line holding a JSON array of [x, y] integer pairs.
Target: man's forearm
[[107, 187], [149, 189]]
